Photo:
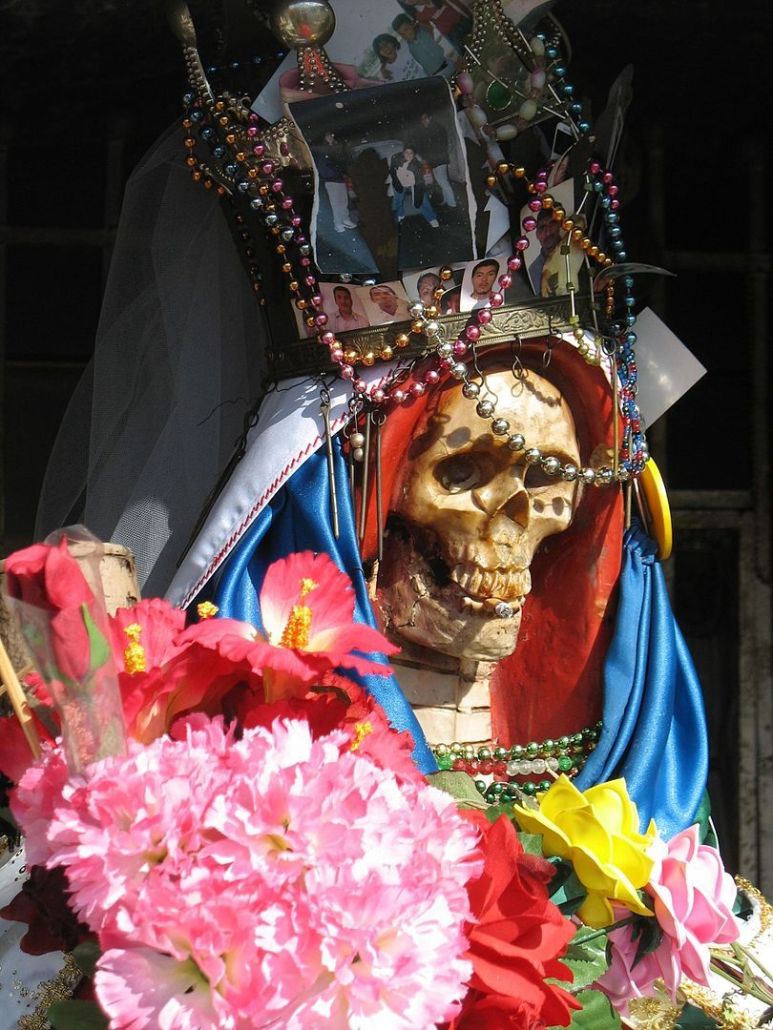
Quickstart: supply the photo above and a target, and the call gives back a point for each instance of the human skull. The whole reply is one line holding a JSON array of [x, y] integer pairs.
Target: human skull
[[468, 515]]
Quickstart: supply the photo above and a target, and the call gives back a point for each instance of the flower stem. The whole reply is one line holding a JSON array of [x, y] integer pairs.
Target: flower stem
[[608, 929]]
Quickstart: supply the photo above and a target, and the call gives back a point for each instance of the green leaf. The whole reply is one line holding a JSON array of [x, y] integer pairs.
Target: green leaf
[[76, 1015], [504, 808], [691, 1018], [647, 931], [460, 786], [565, 889], [742, 907], [99, 649], [596, 1013], [86, 956], [531, 843], [586, 956]]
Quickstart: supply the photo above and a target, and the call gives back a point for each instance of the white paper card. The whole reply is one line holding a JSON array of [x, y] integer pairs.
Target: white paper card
[[667, 369]]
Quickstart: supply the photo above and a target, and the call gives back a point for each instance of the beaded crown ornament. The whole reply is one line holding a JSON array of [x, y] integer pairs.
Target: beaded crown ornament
[[510, 77]]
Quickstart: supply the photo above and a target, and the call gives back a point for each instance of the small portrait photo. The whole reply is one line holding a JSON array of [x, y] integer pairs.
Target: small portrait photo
[[422, 285], [479, 282], [343, 306], [546, 265], [386, 302], [392, 185]]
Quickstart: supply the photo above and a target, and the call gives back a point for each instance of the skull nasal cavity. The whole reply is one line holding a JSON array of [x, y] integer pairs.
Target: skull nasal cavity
[[501, 496]]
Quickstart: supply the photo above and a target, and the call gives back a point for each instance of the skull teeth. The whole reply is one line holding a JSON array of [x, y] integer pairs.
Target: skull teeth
[[498, 584]]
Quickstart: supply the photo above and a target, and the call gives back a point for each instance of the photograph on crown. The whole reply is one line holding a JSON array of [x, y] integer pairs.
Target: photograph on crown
[[545, 261], [391, 184], [343, 303], [378, 41], [421, 285]]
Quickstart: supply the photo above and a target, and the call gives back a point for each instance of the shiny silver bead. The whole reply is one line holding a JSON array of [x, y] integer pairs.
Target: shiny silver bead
[[356, 440], [358, 454], [485, 409], [623, 474], [532, 456], [470, 390], [500, 427], [605, 476], [287, 235], [305, 250], [504, 611], [344, 277], [587, 475], [516, 442], [271, 220], [256, 203], [417, 309], [551, 465], [243, 186], [445, 350], [432, 328], [459, 370], [569, 472]]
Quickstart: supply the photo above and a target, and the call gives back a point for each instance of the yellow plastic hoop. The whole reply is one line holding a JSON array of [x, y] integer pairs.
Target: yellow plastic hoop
[[656, 500]]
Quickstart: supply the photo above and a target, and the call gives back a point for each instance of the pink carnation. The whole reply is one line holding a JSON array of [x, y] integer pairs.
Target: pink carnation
[[275, 877], [693, 903], [35, 799]]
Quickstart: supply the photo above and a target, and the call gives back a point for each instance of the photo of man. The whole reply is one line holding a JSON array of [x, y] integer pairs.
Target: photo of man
[[407, 176], [547, 270], [388, 305], [424, 47], [434, 150], [548, 233], [479, 282], [426, 285], [331, 159], [343, 316]]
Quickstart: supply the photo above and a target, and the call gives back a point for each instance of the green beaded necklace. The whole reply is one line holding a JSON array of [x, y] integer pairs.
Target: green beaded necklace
[[502, 774]]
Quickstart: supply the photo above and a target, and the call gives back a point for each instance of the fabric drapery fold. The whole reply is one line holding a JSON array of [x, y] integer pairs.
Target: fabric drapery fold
[[298, 519], [654, 732]]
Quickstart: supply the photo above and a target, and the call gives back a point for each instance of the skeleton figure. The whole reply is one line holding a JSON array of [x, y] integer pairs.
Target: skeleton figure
[[467, 517]]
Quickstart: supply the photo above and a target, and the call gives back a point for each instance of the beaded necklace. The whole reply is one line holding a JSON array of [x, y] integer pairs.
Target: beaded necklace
[[246, 162], [501, 773]]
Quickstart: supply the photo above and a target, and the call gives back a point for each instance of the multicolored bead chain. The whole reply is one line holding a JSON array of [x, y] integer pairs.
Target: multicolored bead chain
[[243, 167], [500, 772]]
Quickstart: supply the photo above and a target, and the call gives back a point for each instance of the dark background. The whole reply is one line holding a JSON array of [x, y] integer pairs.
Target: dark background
[[87, 86]]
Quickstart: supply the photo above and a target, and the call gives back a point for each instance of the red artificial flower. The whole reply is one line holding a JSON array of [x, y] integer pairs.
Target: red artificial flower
[[307, 611], [159, 624], [515, 939], [340, 704]]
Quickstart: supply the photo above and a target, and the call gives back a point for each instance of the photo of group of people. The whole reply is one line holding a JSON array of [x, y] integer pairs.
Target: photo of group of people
[[392, 187]]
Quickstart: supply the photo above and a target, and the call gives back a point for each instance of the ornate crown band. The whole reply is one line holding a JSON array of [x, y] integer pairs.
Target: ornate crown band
[[547, 317]]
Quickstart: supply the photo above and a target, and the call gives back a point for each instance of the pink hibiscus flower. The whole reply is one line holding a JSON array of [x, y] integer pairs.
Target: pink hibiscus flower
[[307, 608]]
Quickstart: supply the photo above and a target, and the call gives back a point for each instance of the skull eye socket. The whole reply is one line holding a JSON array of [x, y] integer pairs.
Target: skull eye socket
[[460, 472], [537, 479]]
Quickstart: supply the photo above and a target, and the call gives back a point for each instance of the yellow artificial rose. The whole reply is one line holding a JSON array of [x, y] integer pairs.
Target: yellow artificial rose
[[598, 832]]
